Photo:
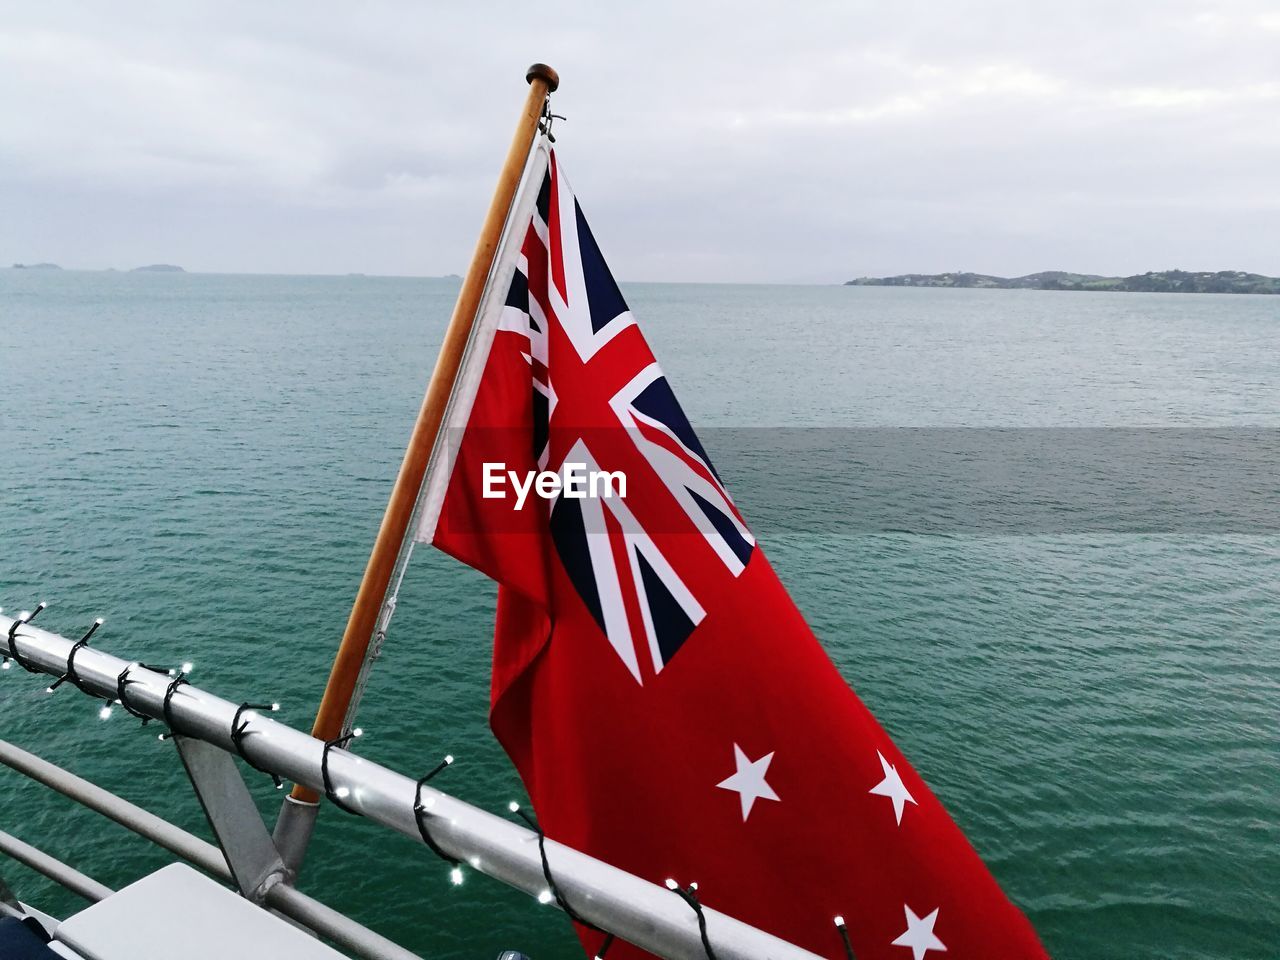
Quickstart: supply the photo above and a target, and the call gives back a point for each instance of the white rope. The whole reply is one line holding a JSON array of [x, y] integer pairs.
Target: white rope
[[430, 496]]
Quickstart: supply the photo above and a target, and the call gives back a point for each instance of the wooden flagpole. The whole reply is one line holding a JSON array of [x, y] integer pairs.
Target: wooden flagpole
[[395, 522]]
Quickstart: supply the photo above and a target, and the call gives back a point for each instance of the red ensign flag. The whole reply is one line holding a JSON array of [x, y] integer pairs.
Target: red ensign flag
[[664, 701]]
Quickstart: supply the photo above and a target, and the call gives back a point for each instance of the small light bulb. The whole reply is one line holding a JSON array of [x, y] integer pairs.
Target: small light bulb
[[455, 876], [188, 667], [343, 792], [99, 622], [513, 806], [671, 884], [275, 707], [49, 689], [5, 665], [280, 785], [694, 885], [357, 732], [105, 713], [544, 896], [448, 758], [839, 921]]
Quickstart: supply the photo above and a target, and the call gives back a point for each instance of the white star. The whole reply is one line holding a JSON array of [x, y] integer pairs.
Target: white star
[[892, 787], [919, 934], [748, 780]]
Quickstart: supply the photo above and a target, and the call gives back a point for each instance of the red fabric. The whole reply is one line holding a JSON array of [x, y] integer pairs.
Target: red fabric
[[630, 770]]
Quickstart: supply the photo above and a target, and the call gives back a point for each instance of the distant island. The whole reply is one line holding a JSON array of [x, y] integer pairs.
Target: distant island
[[1160, 281], [36, 266], [158, 268]]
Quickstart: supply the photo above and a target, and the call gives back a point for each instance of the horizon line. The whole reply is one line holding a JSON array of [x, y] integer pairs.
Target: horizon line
[[51, 267]]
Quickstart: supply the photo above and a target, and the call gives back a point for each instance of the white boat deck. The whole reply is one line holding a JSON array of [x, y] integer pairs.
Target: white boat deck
[[177, 911]]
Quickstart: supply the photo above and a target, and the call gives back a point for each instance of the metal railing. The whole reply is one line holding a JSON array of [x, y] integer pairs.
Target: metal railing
[[645, 914], [53, 868], [288, 900]]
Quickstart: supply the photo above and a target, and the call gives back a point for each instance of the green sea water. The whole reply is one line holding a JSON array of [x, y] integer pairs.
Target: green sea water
[[203, 460]]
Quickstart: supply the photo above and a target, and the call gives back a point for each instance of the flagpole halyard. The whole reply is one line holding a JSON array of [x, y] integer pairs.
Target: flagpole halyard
[[356, 638]]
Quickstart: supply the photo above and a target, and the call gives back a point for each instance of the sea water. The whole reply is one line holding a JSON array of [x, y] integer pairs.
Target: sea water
[[203, 460]]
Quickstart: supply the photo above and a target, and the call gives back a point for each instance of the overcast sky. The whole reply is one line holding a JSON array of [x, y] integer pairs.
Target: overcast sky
[[795, 141]]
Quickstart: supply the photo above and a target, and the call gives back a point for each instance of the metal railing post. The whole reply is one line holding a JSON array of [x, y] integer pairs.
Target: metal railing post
[[255, 863]]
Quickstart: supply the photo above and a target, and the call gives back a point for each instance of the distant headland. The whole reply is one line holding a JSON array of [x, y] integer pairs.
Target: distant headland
[[1161, 281], [150, 268]]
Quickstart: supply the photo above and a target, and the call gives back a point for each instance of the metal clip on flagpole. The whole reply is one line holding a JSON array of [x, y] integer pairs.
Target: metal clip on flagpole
[[548, 120], [333, 719]]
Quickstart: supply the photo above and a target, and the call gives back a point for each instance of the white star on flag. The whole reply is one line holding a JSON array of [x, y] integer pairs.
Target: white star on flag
[[748, 780], [919, 934], [892, 787]]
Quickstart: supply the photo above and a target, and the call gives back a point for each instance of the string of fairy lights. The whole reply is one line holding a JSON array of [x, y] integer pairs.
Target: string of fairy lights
[[338, 794]]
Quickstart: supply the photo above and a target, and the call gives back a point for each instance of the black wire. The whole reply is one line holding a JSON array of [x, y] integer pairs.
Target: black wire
[[71, 670], [71, 665], [604, 946], [844, 935], [166, 708], [240, 730], [691, 898], [13, 629], [551, 881], [442, 765], [341, 741], [122, 684], [420, 810]]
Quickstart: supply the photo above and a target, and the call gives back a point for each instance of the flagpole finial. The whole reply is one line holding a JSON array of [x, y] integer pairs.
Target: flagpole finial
[[540, 71]]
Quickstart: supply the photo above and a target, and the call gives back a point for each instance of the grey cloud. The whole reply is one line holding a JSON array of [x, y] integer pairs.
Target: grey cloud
[[710, 141]]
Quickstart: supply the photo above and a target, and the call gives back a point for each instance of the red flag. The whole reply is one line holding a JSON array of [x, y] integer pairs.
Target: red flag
[[666, 705]]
